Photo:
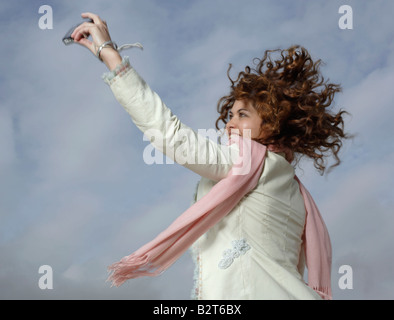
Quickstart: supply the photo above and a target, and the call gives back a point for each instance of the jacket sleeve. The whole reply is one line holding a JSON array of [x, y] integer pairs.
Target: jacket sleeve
[[165, 131]]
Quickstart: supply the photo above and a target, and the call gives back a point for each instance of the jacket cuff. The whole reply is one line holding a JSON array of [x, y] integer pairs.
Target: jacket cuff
[[111, 76]]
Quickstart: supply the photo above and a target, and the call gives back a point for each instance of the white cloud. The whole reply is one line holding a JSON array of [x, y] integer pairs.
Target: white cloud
[[7, 143]]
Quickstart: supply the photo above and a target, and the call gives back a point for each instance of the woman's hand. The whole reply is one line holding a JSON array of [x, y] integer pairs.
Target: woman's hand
[[98, 30]]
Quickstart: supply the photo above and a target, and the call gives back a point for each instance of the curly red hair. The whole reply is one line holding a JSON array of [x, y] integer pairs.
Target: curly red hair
[[294, 101]]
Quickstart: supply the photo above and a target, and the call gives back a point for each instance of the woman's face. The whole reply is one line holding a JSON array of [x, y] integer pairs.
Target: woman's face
[[243, 116]]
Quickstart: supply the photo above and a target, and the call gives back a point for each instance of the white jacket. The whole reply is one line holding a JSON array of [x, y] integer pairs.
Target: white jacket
[[255, 252]]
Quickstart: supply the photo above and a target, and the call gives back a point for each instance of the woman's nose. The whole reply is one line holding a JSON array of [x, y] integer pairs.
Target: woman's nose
[[231, 125]]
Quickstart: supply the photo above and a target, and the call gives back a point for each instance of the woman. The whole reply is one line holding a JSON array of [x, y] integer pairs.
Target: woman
[[250, 238]]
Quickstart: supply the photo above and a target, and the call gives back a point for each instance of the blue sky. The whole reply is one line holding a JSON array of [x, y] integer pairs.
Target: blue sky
[[75, 192]]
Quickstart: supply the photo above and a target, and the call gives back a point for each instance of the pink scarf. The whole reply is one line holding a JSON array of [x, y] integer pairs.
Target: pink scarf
[[157, 255]]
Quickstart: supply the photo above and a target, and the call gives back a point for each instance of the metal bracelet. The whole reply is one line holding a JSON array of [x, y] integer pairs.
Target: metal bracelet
[[106, 44]]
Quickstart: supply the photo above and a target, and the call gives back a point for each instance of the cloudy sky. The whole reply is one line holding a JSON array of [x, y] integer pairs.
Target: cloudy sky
[[75, 192]]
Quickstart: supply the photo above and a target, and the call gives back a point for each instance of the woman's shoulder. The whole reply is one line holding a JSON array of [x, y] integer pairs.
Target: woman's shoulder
[[276, 167]]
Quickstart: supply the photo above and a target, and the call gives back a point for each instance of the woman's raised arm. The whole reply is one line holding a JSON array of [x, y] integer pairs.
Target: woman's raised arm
[[165, 131]]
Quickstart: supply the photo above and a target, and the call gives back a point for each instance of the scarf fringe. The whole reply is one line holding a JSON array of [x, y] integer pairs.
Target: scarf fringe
[[130, 267], [324, 292]]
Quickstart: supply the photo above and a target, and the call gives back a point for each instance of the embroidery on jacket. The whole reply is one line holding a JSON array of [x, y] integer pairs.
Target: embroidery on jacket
[[239, 247]]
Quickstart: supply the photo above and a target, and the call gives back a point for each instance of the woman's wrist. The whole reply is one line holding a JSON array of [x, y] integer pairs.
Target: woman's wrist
[[110, 57]]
